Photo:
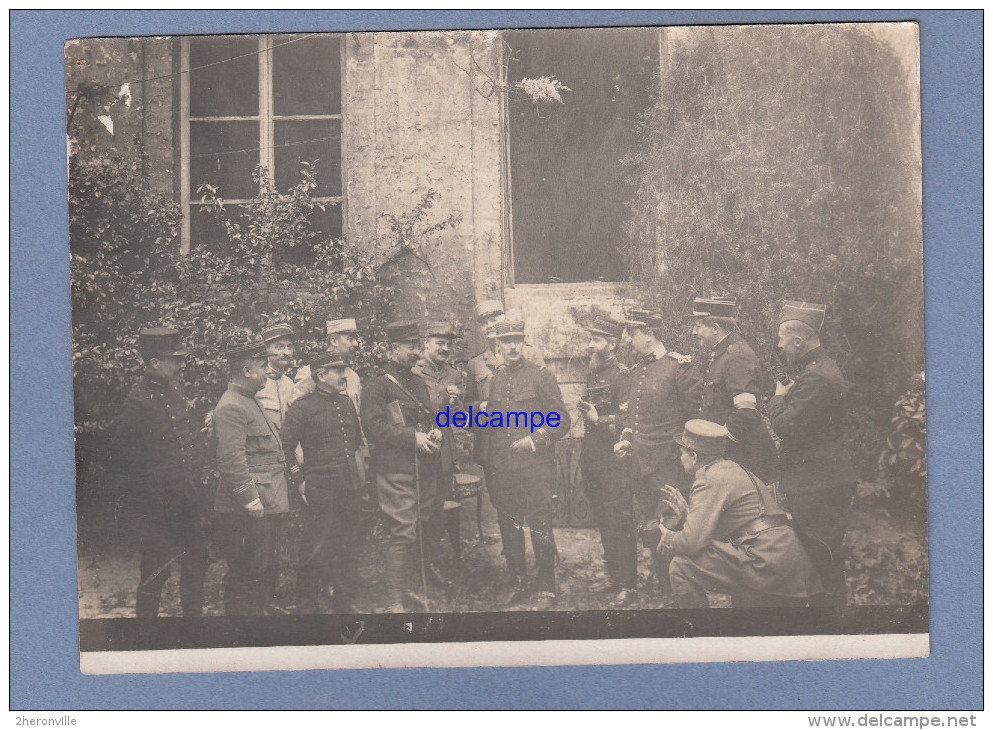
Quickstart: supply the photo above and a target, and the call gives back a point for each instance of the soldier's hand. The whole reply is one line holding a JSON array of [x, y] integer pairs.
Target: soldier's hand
[[622, 449], [302, 491], [589, 411], [454, 394], [674, 507], [784, 388], [255, 509], [424, 443], [523, 446]]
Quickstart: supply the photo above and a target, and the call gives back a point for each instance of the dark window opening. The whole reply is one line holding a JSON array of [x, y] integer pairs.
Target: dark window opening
[[569, 191]]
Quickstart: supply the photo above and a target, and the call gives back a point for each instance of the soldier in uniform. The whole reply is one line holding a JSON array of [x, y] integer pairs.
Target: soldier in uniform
[[484, 365], [399, 423], [446, 387], [326, 425], [731, 385], [731, 537], [816, 470], [277, 394], [604, 480], [251, 492], [154, 457], [521, 476], [664, 392], [343, 338]]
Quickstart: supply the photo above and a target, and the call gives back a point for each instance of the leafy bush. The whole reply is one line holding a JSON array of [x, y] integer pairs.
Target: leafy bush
[[781, 165], [904, 456], [127, 273]]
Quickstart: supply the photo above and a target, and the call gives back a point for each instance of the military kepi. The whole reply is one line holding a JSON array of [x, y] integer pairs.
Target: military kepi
[[603, 325], [403, 332], [703, 437], [440, 329], [508, 328], [330, 359], [241, 351], [488, 307], [642, 318], [338, 326], [715, 307], [277, 332], [161, 342], [810, 313]]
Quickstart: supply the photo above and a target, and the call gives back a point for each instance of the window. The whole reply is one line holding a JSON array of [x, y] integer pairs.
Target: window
[[273, 100], [567, 185]]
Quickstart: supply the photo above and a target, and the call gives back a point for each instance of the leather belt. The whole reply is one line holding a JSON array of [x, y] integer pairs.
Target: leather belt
[[759, 524]]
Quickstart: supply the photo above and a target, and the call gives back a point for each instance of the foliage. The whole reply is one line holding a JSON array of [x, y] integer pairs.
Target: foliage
[[412, 233], [904, 456], [781, 165], [128, 273], [887, 556], [544, 88]]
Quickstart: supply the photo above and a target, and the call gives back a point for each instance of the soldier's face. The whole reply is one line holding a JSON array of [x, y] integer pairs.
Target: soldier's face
[[641, 340], [688, 459], [168, 367], [600, 346], [788, 344], [706, 334], [488, 321], [437, 350], [254, 372], [280, 353], [344, 342], [511, 349], [333, 378], [405, 354]]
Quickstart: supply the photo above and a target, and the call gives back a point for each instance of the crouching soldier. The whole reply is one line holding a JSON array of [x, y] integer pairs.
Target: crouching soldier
[[732, 537], [251, 492], [522, 461], [325, 424]]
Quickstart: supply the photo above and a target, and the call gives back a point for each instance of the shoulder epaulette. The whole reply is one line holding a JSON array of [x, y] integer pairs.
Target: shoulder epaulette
[[681, 359]]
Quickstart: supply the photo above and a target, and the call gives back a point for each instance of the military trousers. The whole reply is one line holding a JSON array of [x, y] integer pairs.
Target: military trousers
[[523, 497], [168, 536], [821, 519], [410, 504], [647, 490], [692, 577], [612, 502], [329, 547], [250, 546]]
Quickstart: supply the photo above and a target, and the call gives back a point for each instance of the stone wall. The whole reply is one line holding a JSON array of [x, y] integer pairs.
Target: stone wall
[[120, 93]]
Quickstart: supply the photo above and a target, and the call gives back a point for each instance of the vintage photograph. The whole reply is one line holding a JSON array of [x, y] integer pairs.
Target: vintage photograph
[[506, 335]]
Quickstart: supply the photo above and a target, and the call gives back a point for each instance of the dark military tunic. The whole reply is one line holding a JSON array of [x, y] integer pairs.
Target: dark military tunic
[[437, 380], [816, 469], [731, 371], [605, 480], [735, 539], [524, 482], [153, 445], [664, 393], [390, 417], [326, 426], [810, 421], [154, 457]]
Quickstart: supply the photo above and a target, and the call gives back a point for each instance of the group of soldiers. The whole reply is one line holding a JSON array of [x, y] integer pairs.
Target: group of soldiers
[[676, 456]]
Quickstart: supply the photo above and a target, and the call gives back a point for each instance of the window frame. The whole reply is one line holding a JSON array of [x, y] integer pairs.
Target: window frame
[[267, 121]]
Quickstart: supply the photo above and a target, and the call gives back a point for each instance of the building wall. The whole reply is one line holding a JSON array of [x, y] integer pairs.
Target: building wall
[[106, 76], [416, 120]]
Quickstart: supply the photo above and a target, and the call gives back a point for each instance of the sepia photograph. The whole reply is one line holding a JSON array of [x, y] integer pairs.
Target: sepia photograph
[[457, 339]]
